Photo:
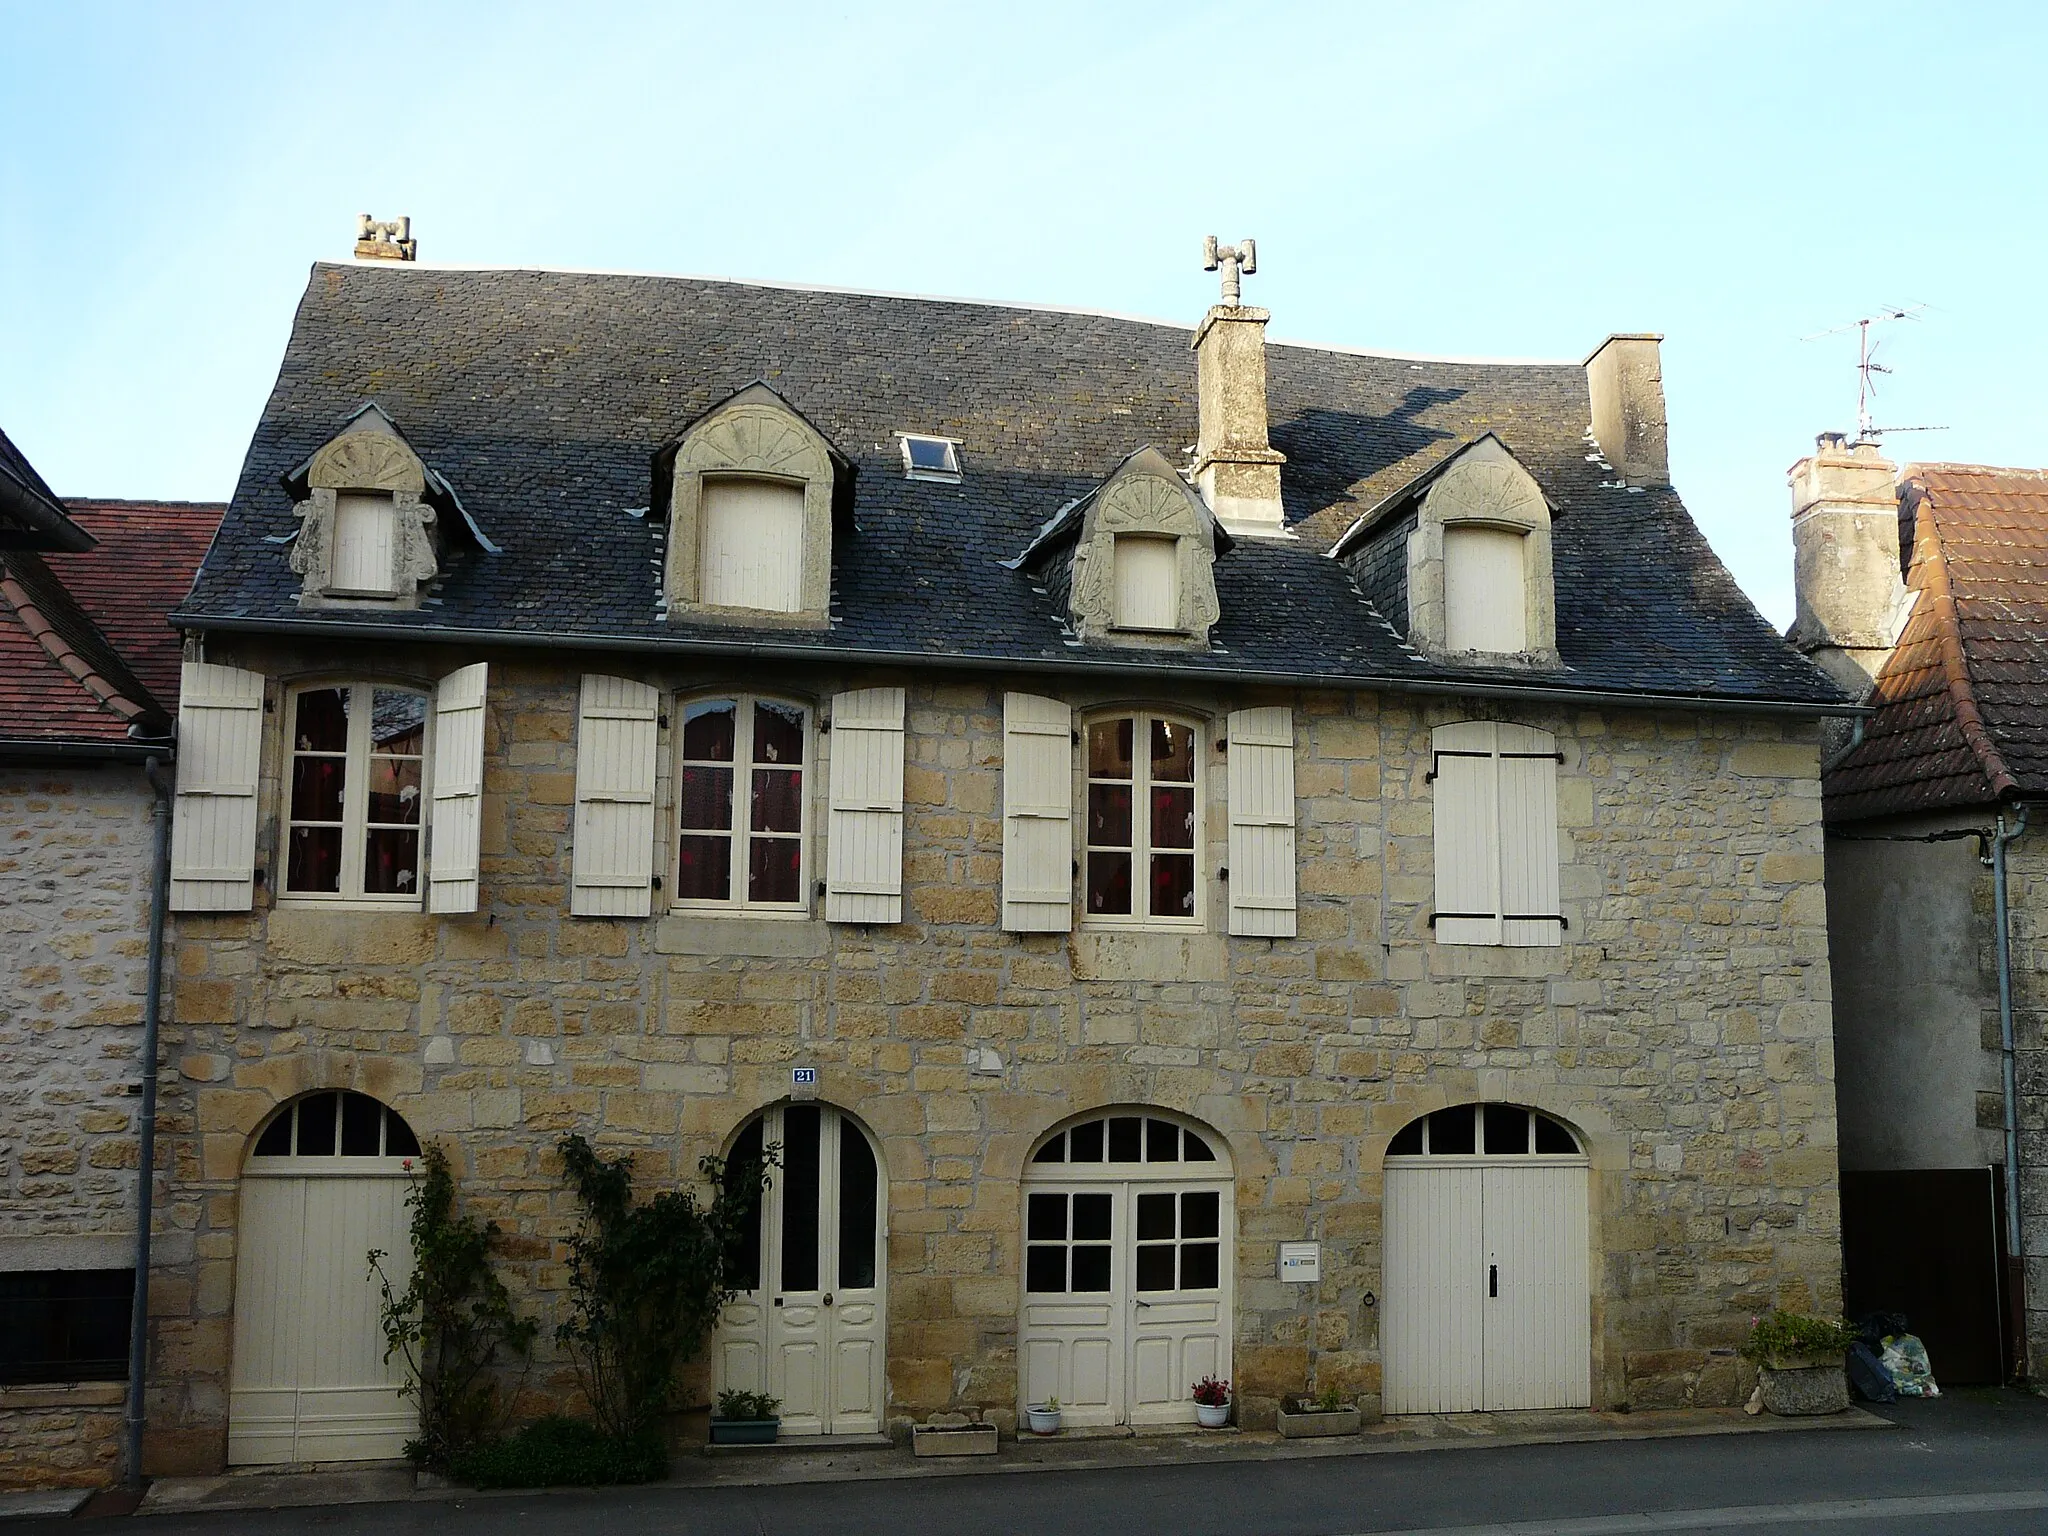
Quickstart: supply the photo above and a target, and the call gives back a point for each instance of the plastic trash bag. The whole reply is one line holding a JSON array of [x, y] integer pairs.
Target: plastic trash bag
[[1873, 1383], [1905, 1359]]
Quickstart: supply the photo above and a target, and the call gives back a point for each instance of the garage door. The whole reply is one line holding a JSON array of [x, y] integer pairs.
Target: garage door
[[1488, 1302], [325, 1185]]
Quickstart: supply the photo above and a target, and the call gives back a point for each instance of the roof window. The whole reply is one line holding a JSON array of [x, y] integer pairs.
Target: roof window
[[930, 458]]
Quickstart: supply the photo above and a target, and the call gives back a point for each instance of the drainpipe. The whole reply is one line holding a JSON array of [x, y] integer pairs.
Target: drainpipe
[[2015, 1248], [145, 1182]]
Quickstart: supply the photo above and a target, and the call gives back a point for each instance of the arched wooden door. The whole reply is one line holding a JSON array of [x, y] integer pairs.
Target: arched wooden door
[[325, 1184], [808, 1326]]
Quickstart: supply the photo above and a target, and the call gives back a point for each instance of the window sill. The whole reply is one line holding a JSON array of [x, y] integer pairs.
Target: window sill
[[63, 1394], [303, 903], [1148, 954], [751, 935]]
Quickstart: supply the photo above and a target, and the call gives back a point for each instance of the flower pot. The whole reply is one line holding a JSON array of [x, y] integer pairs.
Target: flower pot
[[1212, 1415], [1299, 1421], [744, 1431], [1805, 1390], [1042, 1421]]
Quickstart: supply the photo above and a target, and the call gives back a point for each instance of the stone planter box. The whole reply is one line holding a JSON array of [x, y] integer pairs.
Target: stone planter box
[[953, 1439], [1298, 1422], [1801, 1388], [744, 1431]]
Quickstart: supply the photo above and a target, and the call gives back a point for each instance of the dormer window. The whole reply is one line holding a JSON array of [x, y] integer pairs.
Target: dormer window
[[930, 458], [753, 554], [363, 561], [1147, 582], [1485, 589]]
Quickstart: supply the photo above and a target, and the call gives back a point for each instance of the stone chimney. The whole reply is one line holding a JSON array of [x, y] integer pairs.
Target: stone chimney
[[385, 240], [1845, 559], [1626, 379], [1236, 469]]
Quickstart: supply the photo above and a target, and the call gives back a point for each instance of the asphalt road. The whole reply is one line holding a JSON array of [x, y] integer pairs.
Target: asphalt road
[[1974, 1462]]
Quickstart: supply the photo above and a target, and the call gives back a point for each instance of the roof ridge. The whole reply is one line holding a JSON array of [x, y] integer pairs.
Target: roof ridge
[[1955, 659]]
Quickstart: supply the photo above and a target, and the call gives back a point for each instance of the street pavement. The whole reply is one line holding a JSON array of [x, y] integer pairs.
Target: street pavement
[[1972, 1462]]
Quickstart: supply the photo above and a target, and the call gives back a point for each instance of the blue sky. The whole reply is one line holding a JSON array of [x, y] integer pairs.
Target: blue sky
[[1464, 178]]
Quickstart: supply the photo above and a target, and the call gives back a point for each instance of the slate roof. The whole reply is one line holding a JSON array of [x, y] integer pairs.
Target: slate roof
[[31, 517], [1962, 701], [542, 397]]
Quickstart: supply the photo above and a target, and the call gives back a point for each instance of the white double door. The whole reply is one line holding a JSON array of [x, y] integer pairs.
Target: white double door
[[1487, 1303], [808, 1328], [1127, 1297], [309, 1380]]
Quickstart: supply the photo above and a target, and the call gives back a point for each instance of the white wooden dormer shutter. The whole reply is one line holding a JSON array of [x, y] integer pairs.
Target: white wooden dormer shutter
[[1038, 814], [864, 848], [458, 790], [1262, 822], [1496, 835], [220, 753], [616, 755]]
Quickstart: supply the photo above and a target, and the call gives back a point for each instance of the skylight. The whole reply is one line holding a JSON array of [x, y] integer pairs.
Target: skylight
[[930, 458]]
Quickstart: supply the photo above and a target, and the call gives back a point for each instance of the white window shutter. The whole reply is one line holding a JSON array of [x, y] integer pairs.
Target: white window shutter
[[1528, 837], [1467, 819], [864, 851], [1262, 823], [752, 551], [1485, 590], [1038, 814], [612, 857], [458, 790], [220, 753]]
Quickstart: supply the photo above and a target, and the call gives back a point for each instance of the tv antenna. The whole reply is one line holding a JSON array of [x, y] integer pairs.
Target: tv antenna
[[1868, 367]]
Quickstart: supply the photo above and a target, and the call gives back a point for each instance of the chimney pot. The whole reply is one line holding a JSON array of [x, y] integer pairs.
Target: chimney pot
[[385, 240]]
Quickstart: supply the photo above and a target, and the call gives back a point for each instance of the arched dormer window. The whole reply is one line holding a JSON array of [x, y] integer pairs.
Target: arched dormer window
[[752, 488]]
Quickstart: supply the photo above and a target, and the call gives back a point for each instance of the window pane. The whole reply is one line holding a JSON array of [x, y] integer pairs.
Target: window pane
[[1124, 1133], [856, 1209], [1552, 1137], [59, 1326], [778, 804], [398, 722], [1162, 1141], [1045, 1269], [314, 863], [929, 453], [1091, 1269], [800, 1197], [1408, 1143], [743, 1253], [704, 869], [1507, 1128], [395, 790], [1091, 1218], [320, 723], [1173, 885], [1173, 818], [391, 862], [1109, 815], [1046, 1219], [1201, 1213], [774, 869], [316, 788], [1195, 1149], [1200, 1266], [778, 733], [1173, 752], [1451, 1130], [1054, 1151], [1087, 1141], [707, 798], [1155, 1268], [708, 727], [399, 1140], [362, 1118], [316, 1125], [276, 1140], [1155, 1217], [1109, 749], [1109, 883]]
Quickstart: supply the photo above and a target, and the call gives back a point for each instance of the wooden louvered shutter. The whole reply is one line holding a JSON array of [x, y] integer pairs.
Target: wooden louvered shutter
[[1528, 837], [1038, 814], [1262, 823], [864, 849], [220, 753], [1467, 818], [612, 858], [458, 789]]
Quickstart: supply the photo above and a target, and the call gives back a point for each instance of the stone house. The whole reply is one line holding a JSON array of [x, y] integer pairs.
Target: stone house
[[89, 672], [1919, 589], [705, 714]]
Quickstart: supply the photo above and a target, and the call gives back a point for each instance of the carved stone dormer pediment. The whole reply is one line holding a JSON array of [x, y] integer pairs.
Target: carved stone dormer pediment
[[1134, 559]]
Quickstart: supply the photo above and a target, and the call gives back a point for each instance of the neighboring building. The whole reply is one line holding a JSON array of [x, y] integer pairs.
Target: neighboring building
[[88, 689], [1953, 658], [696, 713]]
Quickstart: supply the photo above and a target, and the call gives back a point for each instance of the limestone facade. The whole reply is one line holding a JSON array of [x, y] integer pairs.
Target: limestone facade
[[1683, 1028]]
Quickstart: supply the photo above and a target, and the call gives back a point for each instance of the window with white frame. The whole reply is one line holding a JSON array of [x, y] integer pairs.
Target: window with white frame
[[753, 544], [1486, 600], [354, 817], [930, 458], [1496, 835], [742, 803], [1143, 861], [1147, 582]]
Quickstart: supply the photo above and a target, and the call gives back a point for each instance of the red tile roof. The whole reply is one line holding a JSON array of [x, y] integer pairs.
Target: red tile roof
[[147, 555], [1962, 702]]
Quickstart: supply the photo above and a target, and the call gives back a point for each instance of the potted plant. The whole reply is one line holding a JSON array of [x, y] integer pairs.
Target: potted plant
[[1799, 1363], [746, 1418], [1212, 1403], [1044, 1418], [1327, 1413]]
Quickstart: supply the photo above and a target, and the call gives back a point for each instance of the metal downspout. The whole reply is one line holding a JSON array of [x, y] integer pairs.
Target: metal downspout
[[2015, 1264], [145, 1178]]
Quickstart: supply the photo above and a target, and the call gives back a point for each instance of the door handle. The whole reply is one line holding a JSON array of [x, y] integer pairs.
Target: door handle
[[1493, 1280], [1141, 1301], [828, 1298]]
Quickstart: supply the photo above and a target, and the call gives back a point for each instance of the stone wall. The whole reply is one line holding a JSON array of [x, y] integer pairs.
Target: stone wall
[[2027, 893], [1683, 1028], [61, 1437]]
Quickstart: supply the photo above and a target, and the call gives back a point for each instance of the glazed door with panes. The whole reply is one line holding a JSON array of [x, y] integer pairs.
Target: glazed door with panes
[[807, 1326]]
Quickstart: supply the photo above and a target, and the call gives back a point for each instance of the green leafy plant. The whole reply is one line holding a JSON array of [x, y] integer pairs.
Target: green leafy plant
[[1211, 1393], [1788, 1336], [556, 1452], [451, 1322], [1328, 1400], [751, 1406], [646, 1279]]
